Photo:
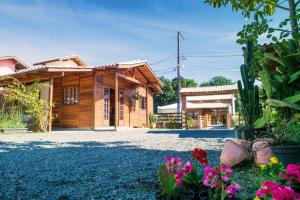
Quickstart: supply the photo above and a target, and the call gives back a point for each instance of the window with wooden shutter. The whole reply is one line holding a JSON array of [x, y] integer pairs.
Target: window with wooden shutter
[[70, 95]]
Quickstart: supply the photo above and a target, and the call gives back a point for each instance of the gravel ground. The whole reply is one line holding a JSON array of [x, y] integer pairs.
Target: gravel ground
[[95, 165]]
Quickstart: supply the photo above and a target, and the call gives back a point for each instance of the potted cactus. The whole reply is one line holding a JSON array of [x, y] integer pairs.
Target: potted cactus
[[250, 106]]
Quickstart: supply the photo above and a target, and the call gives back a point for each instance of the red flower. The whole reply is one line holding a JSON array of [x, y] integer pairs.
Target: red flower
[[200, 155]]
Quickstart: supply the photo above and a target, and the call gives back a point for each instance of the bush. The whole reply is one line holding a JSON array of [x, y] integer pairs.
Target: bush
[[29, 97], [11, 118]]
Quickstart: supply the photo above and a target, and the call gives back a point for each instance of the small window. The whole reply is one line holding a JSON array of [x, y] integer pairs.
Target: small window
[[70, 95], [143, 103]]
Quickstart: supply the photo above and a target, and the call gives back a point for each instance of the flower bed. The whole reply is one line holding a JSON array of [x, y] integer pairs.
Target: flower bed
[[196, 179]]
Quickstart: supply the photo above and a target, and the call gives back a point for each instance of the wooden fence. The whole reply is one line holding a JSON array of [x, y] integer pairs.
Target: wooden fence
[[171, 120]]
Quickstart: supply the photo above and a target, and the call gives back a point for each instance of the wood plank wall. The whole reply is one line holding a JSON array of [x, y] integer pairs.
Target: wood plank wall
[[86, 100], [89, 113]]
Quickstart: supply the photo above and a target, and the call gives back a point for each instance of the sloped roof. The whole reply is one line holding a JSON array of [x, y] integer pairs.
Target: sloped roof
[[42, 67], [142, 66], [19, 64], [75, 58], [210, 89]]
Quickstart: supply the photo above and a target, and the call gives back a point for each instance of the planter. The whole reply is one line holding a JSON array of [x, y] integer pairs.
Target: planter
[[246, 144], [153, 126], [14, 130], [233, 154], [287, 154], [244, 134], [262, 151]]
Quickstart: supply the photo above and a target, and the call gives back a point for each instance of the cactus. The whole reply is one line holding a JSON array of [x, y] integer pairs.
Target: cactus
[[250, 106]]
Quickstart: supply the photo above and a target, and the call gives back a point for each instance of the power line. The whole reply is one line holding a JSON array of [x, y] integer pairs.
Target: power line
[[212, 52], [172, 56], [210, 56], [164, 69], [197, 55]]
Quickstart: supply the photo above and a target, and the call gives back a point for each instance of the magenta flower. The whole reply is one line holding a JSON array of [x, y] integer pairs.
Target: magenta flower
[[283, 193], [175, 168], [278, 192], [231, 190], [188, 168]]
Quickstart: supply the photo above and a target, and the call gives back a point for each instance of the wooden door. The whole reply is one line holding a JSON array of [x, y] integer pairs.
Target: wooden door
[[106, 107], [121, 108]]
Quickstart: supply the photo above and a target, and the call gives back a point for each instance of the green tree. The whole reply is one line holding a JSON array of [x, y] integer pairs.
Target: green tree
[[217, 80], [260, 12], [169, 95], [185, 82]]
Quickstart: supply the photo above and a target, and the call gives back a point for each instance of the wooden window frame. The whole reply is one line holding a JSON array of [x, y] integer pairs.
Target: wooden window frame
[[71, 95], [106, 94], [143, 103]]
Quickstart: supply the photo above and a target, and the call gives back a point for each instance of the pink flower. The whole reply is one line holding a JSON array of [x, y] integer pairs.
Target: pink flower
[[231, 189], [278, 192], [283, 193], [188, 168], [178, 181], [262, 192], [175, 168], [179, 175], [293, 172]]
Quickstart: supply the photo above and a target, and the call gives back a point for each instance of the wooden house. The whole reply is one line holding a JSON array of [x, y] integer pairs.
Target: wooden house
[[211, 105], [84, 97]]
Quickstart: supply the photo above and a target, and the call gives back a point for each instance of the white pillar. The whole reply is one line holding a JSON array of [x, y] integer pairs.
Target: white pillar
[[233, 105]]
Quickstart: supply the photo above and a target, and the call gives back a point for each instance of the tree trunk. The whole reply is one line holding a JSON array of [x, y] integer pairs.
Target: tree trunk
[[294, 21]]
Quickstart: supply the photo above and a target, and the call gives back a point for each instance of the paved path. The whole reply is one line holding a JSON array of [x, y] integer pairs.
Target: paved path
[[95, 165]]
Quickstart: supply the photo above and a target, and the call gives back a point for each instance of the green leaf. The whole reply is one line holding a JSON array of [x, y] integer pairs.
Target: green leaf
[[266, 83], [167, 181], [266, 118], [294, 76], [292, 99], [283, 104], [274, 58]]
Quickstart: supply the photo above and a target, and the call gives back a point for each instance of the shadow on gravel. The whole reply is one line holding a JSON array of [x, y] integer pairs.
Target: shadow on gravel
[[196, 133], [81, 170]]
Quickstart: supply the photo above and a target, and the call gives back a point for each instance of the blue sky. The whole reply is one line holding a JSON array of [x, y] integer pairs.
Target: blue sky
[[110, 31]]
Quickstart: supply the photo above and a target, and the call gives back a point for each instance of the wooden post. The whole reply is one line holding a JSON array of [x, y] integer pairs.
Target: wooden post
[[147, 107], [116, 101], [228, 120], [50, 103]]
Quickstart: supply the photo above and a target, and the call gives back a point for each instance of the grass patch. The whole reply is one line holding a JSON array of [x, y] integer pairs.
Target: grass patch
[[248, 175]]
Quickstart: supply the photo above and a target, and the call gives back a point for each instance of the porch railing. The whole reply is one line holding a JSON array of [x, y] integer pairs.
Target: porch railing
[[171, 120]]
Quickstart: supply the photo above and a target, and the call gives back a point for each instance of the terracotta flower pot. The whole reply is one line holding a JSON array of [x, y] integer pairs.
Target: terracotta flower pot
[[233, 153], [262, 151], [153, 125], [246, 144]]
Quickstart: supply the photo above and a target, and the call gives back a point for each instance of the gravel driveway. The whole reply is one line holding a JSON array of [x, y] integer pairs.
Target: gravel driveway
[[95, 165]]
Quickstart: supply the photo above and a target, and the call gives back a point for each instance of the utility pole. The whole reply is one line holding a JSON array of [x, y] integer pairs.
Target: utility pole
[[179, 36]]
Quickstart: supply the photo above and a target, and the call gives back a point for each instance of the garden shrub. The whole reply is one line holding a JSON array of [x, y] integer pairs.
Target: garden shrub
[[29, 97]]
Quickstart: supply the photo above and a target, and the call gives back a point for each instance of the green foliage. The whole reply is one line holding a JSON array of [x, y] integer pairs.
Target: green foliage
[[167, 181], [29, 97], [152, 118], [173, 123], [249, 93], [11, 117], [169, 95], [217, 80], [189, 122], [260, 15], [278, 72]]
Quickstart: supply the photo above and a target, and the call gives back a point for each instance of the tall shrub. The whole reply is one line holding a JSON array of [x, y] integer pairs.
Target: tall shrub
[[29, 96]]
